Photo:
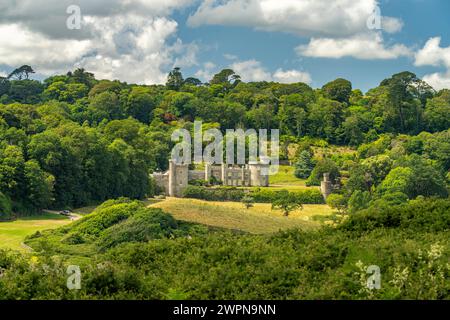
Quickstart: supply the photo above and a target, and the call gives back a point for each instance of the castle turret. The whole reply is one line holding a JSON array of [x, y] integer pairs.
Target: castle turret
[[325, 186]]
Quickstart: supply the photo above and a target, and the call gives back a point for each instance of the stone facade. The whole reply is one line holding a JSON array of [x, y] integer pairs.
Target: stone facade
[[176, 179], [326, 187]]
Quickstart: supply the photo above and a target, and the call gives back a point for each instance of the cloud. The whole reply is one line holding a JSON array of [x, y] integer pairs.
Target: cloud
[[230, 56], [253, 71], [131, 40], [308, 18], [291, 76], [364, 46], [432, 54], [207, 72], [49, 16]]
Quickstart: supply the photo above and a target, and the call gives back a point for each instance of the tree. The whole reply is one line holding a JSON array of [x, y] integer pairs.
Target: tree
[[39, 186], [338, 202], [192, 81], [304, 165], [323, 166], [407, 95], [359, 200], [140, 104], [5, 207], [82, 76], [174, 79], [104, 105], [287, 202], [226, 76], [21, 73], [248, 201], [338, 90], [437, 112], [4, 85]]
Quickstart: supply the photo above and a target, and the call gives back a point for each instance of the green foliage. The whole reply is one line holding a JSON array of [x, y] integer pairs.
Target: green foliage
[[143, 226], [359, 200], [309, 196], [214, 194], [286, 202], [304, 165], [5, 207], [338, 202], [175, 79], [323, 166], [339, 90], [248, 201]]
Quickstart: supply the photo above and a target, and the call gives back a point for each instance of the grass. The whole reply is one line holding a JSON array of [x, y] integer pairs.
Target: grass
[[233, 215], [13, 233], [285, 179]]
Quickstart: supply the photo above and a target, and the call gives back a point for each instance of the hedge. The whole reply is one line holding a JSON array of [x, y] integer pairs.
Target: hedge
[[259, 195]]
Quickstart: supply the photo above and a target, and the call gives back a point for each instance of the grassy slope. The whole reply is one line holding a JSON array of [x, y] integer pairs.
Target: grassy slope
[[233, 215], [13, 233]]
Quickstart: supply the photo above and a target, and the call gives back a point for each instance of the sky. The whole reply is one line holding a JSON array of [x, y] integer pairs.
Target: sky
[[311, 41]]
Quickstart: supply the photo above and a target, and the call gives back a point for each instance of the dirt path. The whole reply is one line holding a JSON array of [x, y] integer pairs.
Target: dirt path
[[73, 216]]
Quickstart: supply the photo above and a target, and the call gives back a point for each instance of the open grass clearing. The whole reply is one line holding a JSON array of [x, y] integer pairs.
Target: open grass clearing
[[233, 215]]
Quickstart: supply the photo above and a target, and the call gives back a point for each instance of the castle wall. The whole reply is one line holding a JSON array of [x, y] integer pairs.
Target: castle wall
[[176, 179]]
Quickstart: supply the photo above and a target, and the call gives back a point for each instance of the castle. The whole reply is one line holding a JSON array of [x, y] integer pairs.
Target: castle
[[176, 179]]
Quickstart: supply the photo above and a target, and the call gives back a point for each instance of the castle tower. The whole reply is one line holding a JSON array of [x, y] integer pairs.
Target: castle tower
[[259, 174], [178, 178], [325, 186], [207, 171]]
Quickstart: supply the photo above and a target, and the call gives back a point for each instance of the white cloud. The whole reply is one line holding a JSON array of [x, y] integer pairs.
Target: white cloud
[[207, 72], [306, 18], [251, 70], [291, 76], [362, 46], [432, 54], [128, 40], [230, 56], [438, 80]]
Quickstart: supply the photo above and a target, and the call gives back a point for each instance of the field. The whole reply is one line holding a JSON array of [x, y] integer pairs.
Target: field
[[13, 233], [233, 215]]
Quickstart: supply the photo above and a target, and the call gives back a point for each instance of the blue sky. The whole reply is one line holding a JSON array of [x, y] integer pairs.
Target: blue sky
[[275, 40], [422, 21]]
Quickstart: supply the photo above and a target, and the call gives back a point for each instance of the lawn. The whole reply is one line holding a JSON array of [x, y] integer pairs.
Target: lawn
[[13, 233], [233, 215]]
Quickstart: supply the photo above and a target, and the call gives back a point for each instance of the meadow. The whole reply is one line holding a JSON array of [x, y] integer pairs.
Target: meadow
[[13, 233], [259, 219]]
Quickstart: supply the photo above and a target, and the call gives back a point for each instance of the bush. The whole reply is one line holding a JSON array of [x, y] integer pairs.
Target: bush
[[146, 225], [419, 215], [312, 196], [214, 194], [338, 202], [259, 195], [323, 166]]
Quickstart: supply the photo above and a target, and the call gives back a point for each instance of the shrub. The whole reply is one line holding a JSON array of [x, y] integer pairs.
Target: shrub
[[148, 224], [214, 194], [432, 215], [248, 201], [338, 202], [323, 166], [311, 196]]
